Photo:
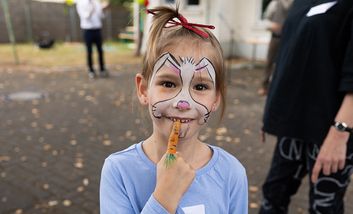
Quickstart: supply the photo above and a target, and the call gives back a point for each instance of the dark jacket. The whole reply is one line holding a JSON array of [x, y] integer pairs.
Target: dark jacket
[[314, 71]]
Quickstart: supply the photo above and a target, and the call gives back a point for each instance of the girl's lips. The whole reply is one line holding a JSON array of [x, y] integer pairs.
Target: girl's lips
[[182, 120]]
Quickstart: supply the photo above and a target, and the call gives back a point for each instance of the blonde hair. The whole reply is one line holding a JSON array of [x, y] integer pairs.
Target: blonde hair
[[161, 37]]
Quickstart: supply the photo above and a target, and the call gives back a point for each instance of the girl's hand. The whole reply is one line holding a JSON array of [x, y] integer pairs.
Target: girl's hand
[[172, 182], [332, 155]]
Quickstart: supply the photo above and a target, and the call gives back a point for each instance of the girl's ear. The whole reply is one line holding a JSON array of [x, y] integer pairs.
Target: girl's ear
[[141, 88], [216, 103]]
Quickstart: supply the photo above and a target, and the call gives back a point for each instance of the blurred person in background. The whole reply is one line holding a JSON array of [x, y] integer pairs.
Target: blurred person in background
[[309, 107], [91, 16], [275, 15]]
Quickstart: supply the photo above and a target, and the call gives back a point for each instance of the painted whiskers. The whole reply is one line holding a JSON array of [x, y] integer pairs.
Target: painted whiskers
[[172, 144]]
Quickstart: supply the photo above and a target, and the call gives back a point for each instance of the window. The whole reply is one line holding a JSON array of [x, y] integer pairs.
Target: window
[[193, 2]]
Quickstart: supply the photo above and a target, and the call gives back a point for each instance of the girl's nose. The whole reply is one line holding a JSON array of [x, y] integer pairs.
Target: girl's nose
[[183, 105]]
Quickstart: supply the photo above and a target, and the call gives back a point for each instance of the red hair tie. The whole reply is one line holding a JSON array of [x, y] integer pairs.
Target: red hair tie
[[191, 26]]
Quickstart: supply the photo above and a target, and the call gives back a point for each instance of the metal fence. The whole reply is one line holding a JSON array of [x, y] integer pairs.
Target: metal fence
[[31, 19]]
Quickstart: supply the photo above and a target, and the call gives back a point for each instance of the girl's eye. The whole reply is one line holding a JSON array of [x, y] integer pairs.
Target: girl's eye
[[168, 84], [201, 87]]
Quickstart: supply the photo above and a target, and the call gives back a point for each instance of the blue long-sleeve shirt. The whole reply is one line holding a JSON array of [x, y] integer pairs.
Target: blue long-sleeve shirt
[[128, 180]]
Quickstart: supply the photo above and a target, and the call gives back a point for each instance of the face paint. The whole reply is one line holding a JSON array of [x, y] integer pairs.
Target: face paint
[[184, 76]]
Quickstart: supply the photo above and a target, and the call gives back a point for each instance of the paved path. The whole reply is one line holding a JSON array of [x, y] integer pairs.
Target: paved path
[[52, 148]]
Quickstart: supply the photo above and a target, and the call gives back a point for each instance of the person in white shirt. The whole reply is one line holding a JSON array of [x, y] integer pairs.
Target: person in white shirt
[[91, 15]]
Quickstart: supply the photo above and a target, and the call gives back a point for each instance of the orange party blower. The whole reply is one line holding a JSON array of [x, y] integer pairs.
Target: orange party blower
[[172, 144]]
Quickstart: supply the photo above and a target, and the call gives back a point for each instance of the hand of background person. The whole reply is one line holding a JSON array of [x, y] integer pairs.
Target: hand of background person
[[332, 155], [275, 28], [172, 182], [105, 5]]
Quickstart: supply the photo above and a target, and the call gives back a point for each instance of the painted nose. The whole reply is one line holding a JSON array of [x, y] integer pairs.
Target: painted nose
[[183, 105]]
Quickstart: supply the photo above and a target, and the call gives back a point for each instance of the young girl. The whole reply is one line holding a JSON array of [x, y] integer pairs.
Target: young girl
[[182, 80]]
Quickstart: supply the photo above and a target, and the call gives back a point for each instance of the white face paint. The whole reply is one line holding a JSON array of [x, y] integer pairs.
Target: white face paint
[[185, 86]]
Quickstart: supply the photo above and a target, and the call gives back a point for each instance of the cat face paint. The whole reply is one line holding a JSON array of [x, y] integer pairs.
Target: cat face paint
[[182, 90]]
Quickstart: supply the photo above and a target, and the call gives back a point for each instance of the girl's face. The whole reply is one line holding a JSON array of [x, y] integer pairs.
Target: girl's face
[[182, 87]]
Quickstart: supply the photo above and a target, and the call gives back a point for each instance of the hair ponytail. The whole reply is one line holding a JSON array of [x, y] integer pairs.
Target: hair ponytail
[[162, 15]]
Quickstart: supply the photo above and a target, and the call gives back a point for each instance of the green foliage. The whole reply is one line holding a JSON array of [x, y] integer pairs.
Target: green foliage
[[120, 2]]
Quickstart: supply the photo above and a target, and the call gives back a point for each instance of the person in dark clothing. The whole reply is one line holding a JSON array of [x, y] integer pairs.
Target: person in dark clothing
[[275, 14], [310, 107], [91, 15]]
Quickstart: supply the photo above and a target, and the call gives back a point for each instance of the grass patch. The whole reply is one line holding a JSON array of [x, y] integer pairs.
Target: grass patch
[[66, 54]]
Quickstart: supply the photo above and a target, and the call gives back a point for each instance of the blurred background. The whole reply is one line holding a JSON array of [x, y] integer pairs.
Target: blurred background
[[57, 126]]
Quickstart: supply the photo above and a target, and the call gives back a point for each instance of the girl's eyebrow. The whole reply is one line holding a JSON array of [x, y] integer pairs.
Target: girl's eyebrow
[[166, 76], [203, 79]]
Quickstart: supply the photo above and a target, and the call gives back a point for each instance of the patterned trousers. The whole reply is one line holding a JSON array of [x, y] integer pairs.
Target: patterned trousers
[[293, 159]]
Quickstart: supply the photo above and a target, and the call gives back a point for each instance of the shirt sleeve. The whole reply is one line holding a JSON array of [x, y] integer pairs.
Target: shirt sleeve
[[346, 83], [271, 10], [114, 197], [153, 207], [239, 194]]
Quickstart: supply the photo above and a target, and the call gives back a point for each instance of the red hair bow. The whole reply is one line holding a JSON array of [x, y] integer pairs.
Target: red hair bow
[[191, 26]]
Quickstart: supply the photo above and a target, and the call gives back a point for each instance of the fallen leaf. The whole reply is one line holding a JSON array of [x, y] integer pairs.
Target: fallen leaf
[[254, 205], [52, 203], [19, 211], [34, 124], [4, 158], [45, 186], [35, 111], [128, 133], [247, 131], [78, 165], [85, 181], [236, 101], [81, 93], [67, 203], [80, 189], [219, 138], [73, 142], [107, 143], [221, 131], [253, 189], [231, 116], [49, 126], [46, 147]]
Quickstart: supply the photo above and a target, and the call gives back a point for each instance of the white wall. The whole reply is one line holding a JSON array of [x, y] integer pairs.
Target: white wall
[[241, 16], [244, 18]]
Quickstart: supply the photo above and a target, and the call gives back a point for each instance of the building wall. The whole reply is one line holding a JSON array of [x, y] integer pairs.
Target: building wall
[[238, 23], [60, 21], [243, 18]]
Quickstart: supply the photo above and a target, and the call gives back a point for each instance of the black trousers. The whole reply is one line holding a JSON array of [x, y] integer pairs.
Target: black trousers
[[292, 160], [91, 37]]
